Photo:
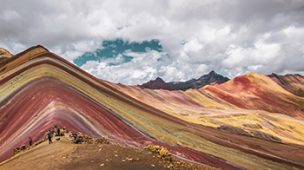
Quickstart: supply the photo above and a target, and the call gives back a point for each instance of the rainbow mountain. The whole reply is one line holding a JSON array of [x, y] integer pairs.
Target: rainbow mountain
[[249, 122]]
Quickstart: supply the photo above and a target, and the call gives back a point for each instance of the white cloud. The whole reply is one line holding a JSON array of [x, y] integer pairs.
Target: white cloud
[[231, 37], [260, 54], [9, 15]]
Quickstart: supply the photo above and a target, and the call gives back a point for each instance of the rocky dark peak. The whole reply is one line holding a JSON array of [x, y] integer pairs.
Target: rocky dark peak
[[212, 73], [211, 77], [159, 80], [273, 75]]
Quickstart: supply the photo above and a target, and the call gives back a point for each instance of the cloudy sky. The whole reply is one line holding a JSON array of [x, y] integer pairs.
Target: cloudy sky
[[137, 40]]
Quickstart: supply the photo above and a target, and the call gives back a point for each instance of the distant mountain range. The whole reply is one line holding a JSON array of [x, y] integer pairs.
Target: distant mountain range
[[209, 78]]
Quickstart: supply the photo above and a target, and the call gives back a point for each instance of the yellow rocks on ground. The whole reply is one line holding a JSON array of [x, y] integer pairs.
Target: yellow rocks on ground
[[163, 152]]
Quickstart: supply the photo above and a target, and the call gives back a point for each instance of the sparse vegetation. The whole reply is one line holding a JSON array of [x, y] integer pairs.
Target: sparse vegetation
[[300, 92], [265, 136], [234, 130], [161, 151], [252, 133], [168, 161]]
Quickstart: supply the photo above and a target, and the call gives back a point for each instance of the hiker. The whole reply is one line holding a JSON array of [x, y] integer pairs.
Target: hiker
[[50, 135], [30, 141], [57, 130], [65, 130]]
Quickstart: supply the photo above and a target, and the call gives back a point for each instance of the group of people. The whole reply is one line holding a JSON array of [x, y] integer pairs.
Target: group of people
[[56, 131], [76, 137]]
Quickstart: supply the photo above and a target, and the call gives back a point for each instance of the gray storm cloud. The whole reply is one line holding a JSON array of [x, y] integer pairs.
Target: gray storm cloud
[[231, 37]]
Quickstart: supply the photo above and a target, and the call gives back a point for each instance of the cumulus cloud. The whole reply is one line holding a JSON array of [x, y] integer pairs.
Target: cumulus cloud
[[230, 37]]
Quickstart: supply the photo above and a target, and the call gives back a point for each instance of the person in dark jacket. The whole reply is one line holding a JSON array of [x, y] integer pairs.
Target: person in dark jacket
[[57, 130], [50, 135], [30, 141]]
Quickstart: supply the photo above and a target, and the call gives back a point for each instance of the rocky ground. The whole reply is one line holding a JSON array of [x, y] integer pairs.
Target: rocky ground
[[93, 154]]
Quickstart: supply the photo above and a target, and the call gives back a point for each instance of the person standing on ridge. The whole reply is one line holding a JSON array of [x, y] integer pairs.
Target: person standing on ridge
[[50, 135], [30, 141], [57, 131]]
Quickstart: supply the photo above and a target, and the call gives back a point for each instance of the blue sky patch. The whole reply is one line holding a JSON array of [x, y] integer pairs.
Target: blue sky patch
[[115, 52]]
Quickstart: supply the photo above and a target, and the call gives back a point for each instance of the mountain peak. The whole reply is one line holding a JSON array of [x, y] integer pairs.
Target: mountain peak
[[5, 53], [158, 79], [37, 47], [211, 77], [34, 50], [212, 73]]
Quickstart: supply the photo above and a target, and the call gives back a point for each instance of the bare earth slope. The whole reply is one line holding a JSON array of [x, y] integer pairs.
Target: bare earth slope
[[291, 82], [63, 154]]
